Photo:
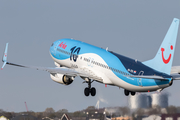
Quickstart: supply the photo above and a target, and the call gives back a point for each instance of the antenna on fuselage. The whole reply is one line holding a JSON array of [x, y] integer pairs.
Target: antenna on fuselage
[[107, 49]]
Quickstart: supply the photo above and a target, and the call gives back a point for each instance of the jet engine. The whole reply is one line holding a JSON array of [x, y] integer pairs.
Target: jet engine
[[62, 79]]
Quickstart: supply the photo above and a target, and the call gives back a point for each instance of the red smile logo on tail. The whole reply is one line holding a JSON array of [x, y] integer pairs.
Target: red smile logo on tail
[[166, 61]]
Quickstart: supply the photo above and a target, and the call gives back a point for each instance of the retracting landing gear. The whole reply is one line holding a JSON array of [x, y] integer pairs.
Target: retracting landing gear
[[88, 90], [133, 93], [126, 92]]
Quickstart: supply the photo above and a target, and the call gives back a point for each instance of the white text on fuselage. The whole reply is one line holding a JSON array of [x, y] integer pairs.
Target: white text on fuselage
[[74, 66]]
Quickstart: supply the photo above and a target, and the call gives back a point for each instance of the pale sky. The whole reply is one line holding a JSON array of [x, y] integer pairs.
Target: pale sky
[[131, 28]]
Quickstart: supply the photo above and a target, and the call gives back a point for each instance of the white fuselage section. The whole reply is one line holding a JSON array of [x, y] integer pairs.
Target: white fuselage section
[[106, 74]]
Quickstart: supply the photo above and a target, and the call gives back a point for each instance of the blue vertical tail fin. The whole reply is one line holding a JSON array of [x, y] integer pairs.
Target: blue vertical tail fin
[[163, 60]]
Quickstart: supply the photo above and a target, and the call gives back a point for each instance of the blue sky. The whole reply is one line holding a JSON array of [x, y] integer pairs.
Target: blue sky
[[131, 28]]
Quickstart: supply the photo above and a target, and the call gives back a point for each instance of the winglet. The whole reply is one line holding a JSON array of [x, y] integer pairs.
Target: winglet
[[5, 56]]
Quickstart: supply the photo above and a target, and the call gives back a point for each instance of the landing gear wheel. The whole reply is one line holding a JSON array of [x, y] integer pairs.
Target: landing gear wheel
[[86, 91], [126, 92], [93, 91], [133, 93]]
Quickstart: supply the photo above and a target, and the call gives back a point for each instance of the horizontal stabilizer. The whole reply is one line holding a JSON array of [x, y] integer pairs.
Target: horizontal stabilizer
[[148, 77], [175, 69], [175, 76]]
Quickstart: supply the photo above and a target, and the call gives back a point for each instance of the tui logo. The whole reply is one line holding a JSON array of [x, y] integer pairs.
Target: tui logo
[[166, 61]]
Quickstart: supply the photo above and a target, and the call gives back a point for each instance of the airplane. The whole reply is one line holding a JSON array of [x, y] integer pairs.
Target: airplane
[[76, 58]]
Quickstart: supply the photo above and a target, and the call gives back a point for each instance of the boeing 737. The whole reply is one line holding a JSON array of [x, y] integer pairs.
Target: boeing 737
[[75, 58]]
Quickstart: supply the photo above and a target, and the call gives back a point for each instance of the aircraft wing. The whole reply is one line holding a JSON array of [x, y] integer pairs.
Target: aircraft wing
[[61, 70]]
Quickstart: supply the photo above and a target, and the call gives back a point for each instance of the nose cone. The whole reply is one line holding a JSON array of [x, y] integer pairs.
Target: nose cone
[[54, 47]]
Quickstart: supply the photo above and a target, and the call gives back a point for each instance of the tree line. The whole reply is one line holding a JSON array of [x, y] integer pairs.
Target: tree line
[[112, 112]]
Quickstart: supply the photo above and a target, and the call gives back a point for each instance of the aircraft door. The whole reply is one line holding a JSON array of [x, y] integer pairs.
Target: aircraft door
[[55, 47], [139, 80]]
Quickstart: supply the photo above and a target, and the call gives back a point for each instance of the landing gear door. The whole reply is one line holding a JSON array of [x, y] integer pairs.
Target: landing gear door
[[139, 80]]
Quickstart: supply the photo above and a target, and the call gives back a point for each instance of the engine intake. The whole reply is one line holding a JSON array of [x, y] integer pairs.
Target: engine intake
[[62, 79]]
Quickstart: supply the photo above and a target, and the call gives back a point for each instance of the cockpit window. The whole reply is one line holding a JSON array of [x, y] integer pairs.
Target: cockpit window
[[52, 44]]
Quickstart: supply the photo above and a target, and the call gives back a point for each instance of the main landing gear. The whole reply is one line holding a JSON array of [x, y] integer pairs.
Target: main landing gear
[[126, 92], [88, 90]]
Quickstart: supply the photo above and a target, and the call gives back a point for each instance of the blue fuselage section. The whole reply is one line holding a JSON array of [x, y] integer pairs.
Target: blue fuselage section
[[122, 67]]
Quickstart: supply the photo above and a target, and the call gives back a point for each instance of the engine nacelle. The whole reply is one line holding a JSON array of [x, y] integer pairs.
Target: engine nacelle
[[57, 64], [62, 79]]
